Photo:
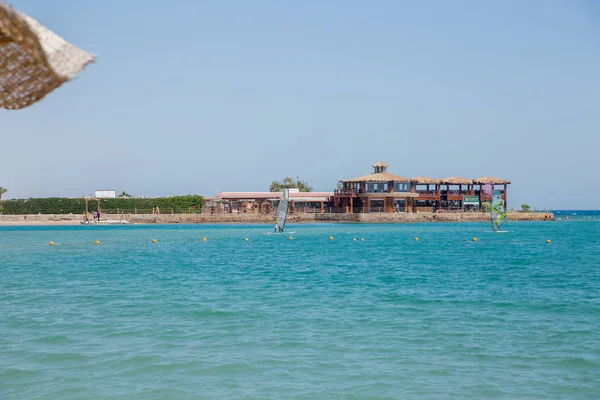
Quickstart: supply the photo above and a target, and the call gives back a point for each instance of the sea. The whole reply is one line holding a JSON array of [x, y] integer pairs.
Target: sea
[[331, 311]]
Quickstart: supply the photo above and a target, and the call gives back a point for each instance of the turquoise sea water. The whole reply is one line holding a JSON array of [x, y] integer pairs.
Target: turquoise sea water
[[508, 316]]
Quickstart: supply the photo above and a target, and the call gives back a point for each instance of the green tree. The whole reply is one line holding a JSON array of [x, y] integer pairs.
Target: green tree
[[486, 206], [290, 183], [525, 207], [124, 195]]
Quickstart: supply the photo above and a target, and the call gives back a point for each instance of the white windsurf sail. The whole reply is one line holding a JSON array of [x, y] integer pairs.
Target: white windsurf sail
[[498, 211], [281, 212]]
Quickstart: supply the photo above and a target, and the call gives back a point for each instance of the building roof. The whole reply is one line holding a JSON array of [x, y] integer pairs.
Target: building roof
[[378, 177], [380, 164], [298, 196], [424, 180], [457, 180], [482, 180]]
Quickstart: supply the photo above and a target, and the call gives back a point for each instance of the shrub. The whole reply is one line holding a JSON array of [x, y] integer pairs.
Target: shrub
[[62, 205], [486, 206]]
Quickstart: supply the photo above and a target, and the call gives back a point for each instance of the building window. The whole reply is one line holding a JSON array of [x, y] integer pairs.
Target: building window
[[401, 187]]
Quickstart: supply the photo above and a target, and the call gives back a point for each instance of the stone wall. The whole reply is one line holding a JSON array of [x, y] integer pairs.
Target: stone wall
[[327, 217], [268, 218]]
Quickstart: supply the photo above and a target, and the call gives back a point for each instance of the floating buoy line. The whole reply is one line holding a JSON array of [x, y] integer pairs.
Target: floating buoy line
[[245, 239]]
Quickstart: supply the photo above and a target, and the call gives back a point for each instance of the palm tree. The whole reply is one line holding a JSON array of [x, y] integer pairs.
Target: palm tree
[[2, 191]]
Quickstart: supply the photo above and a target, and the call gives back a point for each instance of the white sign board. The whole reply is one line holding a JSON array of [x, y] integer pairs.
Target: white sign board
[[105, 194]]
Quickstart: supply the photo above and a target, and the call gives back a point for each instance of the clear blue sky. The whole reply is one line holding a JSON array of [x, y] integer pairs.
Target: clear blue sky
[[202, 96]]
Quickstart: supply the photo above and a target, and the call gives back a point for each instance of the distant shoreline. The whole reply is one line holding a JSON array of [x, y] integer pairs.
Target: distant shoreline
[[75, 220]]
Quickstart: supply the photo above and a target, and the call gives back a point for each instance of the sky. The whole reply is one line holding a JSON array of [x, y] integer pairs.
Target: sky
[[196, 97]]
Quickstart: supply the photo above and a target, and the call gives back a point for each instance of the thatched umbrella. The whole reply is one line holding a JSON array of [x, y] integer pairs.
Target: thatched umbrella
[[33, 60]]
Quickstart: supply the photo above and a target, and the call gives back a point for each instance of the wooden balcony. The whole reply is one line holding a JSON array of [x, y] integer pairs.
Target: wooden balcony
[[427, 195], [455, 195], [483, 197], [338, 192]]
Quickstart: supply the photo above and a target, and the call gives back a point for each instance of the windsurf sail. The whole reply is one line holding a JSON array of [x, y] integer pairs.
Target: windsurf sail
[[498, 213], [281, 212]]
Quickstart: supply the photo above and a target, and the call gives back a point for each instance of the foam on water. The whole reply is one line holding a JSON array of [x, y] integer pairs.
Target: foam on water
[[508, 316]]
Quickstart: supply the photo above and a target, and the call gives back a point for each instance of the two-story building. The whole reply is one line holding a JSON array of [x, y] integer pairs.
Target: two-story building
[[379, 191]]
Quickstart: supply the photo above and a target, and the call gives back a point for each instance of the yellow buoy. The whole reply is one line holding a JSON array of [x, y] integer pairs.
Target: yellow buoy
[[362, 239], [416, 239], [51, 243], [474, 239], [97, 242], [548, 241], [153, 240], [246, 239], [330, 237], [204, 239], [290, 238]]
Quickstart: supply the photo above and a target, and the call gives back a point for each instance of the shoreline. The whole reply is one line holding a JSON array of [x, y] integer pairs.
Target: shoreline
[[151, 219]]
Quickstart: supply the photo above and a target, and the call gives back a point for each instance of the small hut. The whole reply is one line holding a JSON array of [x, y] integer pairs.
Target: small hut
[[34, 61]]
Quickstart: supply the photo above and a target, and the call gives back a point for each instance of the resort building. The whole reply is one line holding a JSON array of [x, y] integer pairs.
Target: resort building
[[381, 191], [266, 202]]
